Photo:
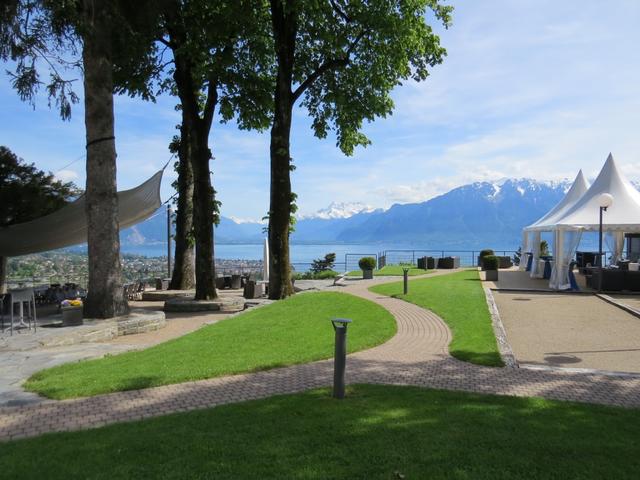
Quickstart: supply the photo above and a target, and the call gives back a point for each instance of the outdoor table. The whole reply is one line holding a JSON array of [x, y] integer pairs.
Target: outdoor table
[[548, 266], [22, 296]]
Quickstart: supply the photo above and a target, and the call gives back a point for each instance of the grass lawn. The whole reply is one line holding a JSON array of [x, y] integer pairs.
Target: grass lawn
[[377, 432], [457, 298], [391, 270], [296, 330]]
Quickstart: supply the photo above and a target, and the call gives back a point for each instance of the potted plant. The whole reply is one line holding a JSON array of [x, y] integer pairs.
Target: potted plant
[[367, 264], [71, 312], [544, 249], [491, 264], [484, 253]]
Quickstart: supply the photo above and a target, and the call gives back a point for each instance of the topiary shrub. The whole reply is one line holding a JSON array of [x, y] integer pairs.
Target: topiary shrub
[[367, 263], [486, 252], [491, 262]]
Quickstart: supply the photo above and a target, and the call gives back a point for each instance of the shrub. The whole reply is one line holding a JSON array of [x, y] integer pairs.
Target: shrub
[[323, 264], [367, 263], [314, 275], [491, 262], [544, 248], [486, 252], [325, 274]]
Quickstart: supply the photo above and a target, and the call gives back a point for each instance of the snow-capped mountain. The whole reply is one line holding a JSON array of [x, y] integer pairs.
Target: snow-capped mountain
[[477, 214], [340, 210]]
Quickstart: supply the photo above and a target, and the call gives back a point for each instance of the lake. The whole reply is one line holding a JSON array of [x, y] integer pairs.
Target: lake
[[347, 255]]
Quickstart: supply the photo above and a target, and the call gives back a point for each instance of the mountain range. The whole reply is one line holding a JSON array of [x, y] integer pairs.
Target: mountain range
[[473, 215]]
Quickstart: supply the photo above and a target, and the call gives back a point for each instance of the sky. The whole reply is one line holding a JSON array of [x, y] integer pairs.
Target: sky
[[529, 88]]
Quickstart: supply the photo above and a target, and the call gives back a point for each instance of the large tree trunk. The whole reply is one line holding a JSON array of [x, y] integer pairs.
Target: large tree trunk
[[105, 297], [3, 276], [284, 19], [203, 215], [183, 276], [197, 131]]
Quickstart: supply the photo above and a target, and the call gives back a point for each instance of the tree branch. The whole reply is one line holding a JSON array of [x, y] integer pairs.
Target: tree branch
[[327, 66], [340, 11]]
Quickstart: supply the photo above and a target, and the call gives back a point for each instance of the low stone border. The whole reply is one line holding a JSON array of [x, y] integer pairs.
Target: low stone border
[[619, 304], [189, 305], [141, 321], [592, 371], [164, 295], [506, 352]]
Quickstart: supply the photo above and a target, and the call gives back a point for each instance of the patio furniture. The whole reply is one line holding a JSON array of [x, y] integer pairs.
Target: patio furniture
[[548, 266], [71, 316], [22, 296]]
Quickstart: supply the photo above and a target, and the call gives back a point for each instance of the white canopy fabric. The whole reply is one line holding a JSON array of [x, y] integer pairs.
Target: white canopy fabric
[[548, 221], [68, 226], [622, 215]]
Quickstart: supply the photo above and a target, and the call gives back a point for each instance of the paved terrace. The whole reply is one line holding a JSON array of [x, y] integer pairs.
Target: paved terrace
[[417, 355]]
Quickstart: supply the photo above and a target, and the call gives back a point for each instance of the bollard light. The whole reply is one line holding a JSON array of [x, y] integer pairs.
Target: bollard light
[[406, 280], [340, 358]]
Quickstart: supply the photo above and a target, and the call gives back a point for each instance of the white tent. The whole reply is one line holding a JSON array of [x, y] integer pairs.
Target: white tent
[[623, 215], [583, 215], [68, 226], [531, 234]]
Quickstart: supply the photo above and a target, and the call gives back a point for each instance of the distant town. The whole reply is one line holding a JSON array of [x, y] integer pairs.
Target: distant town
[[72, 267]]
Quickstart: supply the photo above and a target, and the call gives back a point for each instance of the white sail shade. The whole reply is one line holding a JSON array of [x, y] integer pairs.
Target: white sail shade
[[68, 226]]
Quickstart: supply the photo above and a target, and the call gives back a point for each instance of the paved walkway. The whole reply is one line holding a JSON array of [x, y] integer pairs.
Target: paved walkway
[[417, 355], [570, 331]]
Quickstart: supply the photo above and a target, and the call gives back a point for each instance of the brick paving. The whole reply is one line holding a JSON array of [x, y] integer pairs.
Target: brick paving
[[417, 355]]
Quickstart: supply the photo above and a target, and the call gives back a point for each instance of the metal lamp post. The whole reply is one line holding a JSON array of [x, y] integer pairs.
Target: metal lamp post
[[605, 200]]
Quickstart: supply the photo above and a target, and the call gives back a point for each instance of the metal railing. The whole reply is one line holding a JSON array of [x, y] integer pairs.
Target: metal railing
[[468, 258]]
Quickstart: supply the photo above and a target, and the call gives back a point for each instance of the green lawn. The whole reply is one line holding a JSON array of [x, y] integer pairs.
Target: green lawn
[[296, 330], [391, 270], [377, 432], [459, 299]]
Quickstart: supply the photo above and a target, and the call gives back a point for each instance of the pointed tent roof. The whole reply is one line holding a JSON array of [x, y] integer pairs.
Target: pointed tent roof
[[577, 190], [623, 214]]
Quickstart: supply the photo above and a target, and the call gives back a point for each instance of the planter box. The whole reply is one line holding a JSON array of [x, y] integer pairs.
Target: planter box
[[71, 316], [491, 275], [367, 274]]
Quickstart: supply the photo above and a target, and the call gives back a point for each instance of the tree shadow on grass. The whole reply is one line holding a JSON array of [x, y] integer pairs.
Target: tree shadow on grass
[[384, 432]]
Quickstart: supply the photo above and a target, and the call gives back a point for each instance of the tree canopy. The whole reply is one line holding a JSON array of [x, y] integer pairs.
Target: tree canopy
[[27, 193]]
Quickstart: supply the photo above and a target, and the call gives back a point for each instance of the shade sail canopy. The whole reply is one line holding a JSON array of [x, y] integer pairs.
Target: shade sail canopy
[[622, 215], [548, 221], [68, 226]]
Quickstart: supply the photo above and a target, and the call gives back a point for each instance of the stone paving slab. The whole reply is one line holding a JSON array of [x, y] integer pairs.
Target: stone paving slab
[[416, 355]]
